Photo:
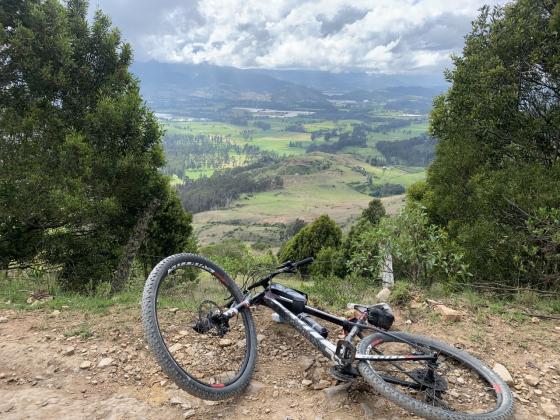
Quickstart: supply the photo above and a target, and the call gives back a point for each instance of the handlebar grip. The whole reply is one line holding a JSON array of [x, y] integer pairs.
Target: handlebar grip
[[284, 265], [304, 262]]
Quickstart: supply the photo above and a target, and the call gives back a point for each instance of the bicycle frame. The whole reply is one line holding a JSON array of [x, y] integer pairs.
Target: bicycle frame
[[344, 352]]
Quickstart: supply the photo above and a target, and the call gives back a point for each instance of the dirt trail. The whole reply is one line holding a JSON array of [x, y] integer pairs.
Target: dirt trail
[[47, 372]]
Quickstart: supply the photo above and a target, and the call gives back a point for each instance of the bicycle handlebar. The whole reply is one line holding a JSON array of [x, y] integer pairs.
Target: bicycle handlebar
[[305, 261], [290, 265], [287, 267]]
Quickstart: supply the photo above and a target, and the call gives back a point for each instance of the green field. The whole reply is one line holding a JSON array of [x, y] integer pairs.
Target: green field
[[339, 187], [260, 217], [329, 125], [277, 139], [274, 140], [197, 173]]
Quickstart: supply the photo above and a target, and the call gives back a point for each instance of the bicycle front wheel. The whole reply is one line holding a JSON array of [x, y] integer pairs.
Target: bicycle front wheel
[[458, 387], [206, 355]]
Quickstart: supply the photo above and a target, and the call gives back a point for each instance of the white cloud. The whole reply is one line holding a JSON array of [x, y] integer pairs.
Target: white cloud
[[389, 36]]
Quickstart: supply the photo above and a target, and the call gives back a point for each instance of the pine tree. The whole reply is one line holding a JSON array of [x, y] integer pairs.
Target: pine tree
[[79, 150]]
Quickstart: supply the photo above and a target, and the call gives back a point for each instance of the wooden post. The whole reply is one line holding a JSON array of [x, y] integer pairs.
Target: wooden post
[[387, 277]]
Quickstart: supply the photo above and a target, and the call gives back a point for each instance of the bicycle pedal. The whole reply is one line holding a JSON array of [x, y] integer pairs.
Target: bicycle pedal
[[345, 351]]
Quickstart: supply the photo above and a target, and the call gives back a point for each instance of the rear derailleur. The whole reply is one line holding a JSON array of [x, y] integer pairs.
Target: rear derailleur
[[210, 317]]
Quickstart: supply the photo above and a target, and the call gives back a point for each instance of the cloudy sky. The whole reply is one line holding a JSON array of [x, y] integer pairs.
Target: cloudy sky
[[389, 36]]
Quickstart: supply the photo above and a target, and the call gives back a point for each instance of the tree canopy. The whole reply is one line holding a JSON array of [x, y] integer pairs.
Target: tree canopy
[[374, 211], [79, 150], [497, 167], [322, 233]]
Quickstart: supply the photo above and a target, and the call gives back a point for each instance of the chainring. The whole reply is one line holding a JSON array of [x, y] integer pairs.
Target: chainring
[[344, 374]]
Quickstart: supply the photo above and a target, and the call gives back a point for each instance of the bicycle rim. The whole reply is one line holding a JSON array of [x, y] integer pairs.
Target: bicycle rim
[[189, 300], [459, 386]]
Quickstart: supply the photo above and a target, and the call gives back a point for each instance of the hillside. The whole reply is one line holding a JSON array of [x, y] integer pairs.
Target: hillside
[[345, 82], [208, 91], [168, 85], [325, 165], [313, 184]]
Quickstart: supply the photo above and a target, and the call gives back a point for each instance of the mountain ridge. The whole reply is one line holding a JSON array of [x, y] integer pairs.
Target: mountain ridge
[[204, 84]]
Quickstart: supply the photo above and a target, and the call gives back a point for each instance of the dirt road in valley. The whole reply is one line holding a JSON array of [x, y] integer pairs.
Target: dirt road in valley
[[69, 364]]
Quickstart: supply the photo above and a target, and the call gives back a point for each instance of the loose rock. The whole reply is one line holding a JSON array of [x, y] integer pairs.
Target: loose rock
[[177, 400], [336, 395], [322, 384], [532, 380], [448, 314], [188, 414], [503, 373], [306, 363], [175, 347], [3, 319], [69, 351], [225, 342], [105, 362], [86, 364], [383, 295]]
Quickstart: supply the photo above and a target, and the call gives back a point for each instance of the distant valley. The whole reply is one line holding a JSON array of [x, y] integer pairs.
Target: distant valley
[[252, 150]]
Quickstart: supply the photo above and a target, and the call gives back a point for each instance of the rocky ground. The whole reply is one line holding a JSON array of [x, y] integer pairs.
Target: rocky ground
[[67, 364]]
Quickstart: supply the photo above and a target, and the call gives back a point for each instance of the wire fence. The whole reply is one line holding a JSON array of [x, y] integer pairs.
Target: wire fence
[[36, 277]]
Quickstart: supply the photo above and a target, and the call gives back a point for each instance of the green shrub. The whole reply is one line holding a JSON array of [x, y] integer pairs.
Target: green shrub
[[385, 190], [236, 258], [80, 150], [497, 158], [260, 246], [322, 233], [417, 191], [421, 251], [329, 262], [336, 292], [291, 229], [401, 293], [374, 211]]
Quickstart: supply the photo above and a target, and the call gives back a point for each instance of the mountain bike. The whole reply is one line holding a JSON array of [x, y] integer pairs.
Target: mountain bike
[[199, 325]]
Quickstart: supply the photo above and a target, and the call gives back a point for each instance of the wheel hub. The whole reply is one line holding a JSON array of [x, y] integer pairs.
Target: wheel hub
[[210, 316], [429, 379]]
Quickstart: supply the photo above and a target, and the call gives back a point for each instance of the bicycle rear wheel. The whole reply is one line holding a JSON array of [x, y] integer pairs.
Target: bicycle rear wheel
[[205, 355], [460, 387]]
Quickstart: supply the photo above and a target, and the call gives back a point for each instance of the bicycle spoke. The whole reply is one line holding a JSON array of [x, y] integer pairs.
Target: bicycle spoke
[[185, 298], [453, 385]]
